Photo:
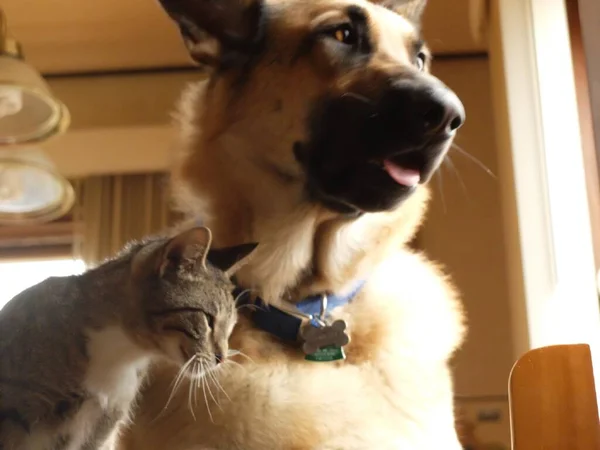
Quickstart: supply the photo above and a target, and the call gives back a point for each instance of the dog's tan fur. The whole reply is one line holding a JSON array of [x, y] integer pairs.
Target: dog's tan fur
[[237, 173]]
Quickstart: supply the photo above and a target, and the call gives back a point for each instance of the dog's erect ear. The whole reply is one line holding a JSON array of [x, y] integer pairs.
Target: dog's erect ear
[[218, 30], [231, 259], [411, 9]]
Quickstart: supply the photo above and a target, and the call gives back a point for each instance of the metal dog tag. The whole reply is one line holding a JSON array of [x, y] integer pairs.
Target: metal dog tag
[[324, 343]]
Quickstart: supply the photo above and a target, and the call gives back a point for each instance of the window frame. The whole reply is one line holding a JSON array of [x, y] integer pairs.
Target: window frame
[[553, 299]]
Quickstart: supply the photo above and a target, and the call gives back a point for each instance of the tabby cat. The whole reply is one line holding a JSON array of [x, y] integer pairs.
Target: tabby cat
[[75, 350]]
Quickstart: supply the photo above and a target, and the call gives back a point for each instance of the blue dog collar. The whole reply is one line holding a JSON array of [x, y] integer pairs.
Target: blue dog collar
[[286, 325]]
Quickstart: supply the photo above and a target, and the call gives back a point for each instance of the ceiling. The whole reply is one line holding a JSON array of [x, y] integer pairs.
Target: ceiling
[[72, 36]]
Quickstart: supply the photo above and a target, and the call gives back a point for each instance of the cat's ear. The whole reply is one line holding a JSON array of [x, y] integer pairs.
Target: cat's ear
[[215, 31], [231, 259], [187, 250], [410, 9]]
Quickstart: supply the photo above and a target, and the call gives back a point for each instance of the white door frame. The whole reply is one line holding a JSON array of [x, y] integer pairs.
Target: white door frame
[[553, 285]]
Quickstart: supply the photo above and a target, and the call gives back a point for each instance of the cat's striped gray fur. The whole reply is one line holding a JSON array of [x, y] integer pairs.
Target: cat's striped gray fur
[[75, 350]]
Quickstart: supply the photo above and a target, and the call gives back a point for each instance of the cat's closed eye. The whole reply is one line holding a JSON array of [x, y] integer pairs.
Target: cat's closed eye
[[210, 320], [188, 333]]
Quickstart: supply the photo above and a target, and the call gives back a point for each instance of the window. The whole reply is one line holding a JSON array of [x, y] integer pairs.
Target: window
[[19, 275], [554, 293]]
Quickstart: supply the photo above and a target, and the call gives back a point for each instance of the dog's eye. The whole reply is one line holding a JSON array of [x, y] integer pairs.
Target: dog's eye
[[421, 60], [344, 33]]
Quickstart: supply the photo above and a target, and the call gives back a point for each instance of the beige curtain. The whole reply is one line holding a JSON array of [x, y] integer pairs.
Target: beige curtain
[[114, 209]]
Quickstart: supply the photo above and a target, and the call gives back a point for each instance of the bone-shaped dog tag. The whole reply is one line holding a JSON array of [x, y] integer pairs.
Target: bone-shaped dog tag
[[325, 343]]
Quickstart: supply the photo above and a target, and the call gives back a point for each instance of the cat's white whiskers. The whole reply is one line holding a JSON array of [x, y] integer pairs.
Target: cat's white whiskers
[[250, 306], [208, 373], [199, 375], [174, 386], [227, 365], [232, 353], [206, 398], [211, 373], [245, 291], [190, 393], [194, 381], [179, 378], [230, 362]]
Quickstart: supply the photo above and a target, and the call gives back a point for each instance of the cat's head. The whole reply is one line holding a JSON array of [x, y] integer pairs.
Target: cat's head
[[184, 289]]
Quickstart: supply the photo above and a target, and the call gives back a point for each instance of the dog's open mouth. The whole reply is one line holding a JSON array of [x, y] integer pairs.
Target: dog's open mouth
[[353, 184], [371, 156], [344, 178], [414, 167]]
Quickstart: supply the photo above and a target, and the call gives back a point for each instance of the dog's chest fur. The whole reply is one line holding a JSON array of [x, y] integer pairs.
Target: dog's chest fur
[[392, 392]]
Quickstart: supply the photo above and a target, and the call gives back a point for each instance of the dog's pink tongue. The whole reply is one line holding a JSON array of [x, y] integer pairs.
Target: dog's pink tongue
[[401, 175]]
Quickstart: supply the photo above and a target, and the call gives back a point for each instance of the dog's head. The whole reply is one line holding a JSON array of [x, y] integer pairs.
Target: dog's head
[[333, 94]]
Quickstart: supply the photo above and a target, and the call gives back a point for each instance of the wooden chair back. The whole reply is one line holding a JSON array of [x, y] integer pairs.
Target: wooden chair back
[[552, 398]]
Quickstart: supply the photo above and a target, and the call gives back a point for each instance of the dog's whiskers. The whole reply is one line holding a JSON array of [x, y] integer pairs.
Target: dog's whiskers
[[440, 179], [460, 180], [473, 159]]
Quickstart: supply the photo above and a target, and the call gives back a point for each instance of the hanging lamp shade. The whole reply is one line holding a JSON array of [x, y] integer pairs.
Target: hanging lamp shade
[[31, 190], [28, 110]]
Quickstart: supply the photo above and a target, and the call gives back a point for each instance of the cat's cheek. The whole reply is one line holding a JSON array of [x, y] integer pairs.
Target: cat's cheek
[[170, 346]]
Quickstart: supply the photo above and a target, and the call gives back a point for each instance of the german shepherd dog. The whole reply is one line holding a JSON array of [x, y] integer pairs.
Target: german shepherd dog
[[315, 135]]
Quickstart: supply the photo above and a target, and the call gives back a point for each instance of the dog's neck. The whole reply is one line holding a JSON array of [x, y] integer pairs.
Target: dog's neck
[[304, 248]]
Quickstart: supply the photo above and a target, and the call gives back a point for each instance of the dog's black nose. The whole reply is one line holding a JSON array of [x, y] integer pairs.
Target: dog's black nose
[[443, 111], [428, 105]]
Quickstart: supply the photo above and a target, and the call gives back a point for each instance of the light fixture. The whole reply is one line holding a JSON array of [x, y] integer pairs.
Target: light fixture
[[31, 190], [28, 110]]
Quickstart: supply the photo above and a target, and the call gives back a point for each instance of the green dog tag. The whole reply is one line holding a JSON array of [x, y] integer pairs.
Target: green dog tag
[[327, 354]]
